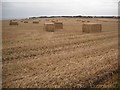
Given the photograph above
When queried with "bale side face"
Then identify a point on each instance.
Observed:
(58, 25)
(49, 27)
(91, 28)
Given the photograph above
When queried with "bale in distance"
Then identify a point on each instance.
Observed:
(88, 21)
(25, 21)
(35, 22)
(83, 21)
(13, 22)
(58, 25)
(53, 21)
(91, 28)
(50, 27)
(78, 20)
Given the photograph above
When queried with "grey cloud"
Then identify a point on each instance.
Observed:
(22, 9)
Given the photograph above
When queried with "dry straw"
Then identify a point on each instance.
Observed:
(50, 27)
(91, 27)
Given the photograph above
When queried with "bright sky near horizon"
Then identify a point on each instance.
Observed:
(12, 9)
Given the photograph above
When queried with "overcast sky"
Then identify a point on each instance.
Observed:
(25, 8)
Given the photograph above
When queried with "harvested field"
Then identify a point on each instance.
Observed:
(34, 58)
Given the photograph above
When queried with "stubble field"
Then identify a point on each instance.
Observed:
(35, 58)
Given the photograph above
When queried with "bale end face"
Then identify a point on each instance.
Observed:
(50, 27)
(91, 28)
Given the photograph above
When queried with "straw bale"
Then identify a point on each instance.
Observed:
(13, 22)
(35, 22)
(50, 27)
(25, 21)
(91, 27)
(58, 25)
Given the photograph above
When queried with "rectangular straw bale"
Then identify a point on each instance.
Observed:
(78, 20)
(53, 21)
(91, 27)
(50, 27)
(58, 25)
(13, 22)
(25, 21)
(88, 21)
(35, 22)
(83, 21)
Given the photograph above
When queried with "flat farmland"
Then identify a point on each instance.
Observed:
(35, 58)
